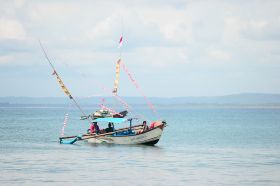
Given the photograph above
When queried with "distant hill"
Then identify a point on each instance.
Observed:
(243, 99)
(234, 99)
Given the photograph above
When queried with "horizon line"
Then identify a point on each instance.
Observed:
(98, 96)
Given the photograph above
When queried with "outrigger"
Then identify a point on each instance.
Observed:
(132, 135)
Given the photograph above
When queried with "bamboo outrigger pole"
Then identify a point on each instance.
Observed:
(65, 90)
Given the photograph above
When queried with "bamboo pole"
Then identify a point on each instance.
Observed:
(52, 66)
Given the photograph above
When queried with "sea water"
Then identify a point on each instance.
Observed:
(200, 146)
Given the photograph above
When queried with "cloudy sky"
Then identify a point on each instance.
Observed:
(172, 48)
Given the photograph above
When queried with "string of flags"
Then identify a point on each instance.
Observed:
(116, 83)
(138, 87)
(63, 87)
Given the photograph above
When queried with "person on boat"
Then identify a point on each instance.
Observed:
(110, 128)
(91, 128)
(145, 126)
(96, 128)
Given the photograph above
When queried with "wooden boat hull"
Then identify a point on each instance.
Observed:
(149, 137)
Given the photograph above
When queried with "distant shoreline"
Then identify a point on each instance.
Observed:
(245, 100)
(158, 106)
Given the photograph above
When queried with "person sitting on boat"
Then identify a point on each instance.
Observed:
(110, 128)
(91, 128)
(145, 126)
(96, 128)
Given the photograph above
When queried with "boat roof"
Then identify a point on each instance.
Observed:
(113, 120)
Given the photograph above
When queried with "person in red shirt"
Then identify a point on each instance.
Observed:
(94, 128)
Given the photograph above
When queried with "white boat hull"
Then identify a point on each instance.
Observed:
(149, 137)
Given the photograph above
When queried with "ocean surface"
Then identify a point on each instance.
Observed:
(200, 146)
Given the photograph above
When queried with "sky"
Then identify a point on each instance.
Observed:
(172, 48)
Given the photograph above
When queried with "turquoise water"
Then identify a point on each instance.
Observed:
(200, 146)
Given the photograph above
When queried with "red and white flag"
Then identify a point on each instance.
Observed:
(120, 42)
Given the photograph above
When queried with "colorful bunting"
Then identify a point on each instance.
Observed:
(116, 83)
(138, 87)
(63, 87)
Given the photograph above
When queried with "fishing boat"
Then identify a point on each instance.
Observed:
(132, 135)
(140, 133)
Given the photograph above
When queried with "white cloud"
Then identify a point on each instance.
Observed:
(104, 29)
(262, 29)
(5, 59)
(11, 29)
(51, 12)
(80, 58)
(217, 54)
(170, 36)
(19, 3)
(158, 57)
(175, 25)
